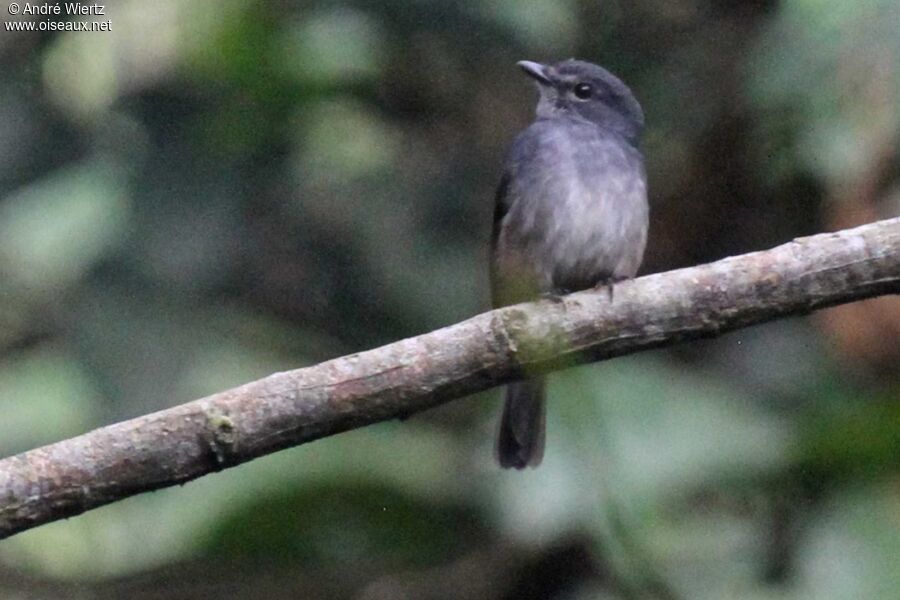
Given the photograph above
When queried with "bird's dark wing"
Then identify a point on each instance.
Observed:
(513, 275)
(502, 202)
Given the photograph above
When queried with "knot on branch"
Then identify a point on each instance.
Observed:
(534, 335)
(221, 436)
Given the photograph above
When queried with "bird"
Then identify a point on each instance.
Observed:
(570, 213)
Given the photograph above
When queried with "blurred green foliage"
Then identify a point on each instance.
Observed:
(216, 190)
(345, 522)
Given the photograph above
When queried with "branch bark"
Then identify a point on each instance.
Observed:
(290, 408)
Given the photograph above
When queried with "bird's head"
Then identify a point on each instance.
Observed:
(584, 90)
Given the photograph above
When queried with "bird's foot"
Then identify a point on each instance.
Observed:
(556, 296)
(608, 284)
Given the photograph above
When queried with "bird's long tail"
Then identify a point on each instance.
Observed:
(520, 442)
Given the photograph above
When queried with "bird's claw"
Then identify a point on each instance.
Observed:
(555, 296)
(607, 284)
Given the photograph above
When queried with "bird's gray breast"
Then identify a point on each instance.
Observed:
(579, 209)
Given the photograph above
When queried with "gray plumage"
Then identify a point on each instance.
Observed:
(571, 213)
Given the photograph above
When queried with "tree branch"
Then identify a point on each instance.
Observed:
(290, 408)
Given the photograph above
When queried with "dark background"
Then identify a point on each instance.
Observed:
(219, 189)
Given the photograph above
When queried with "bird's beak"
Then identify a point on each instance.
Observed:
(537, 71)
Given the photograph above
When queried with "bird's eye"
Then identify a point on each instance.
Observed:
(583, 91)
